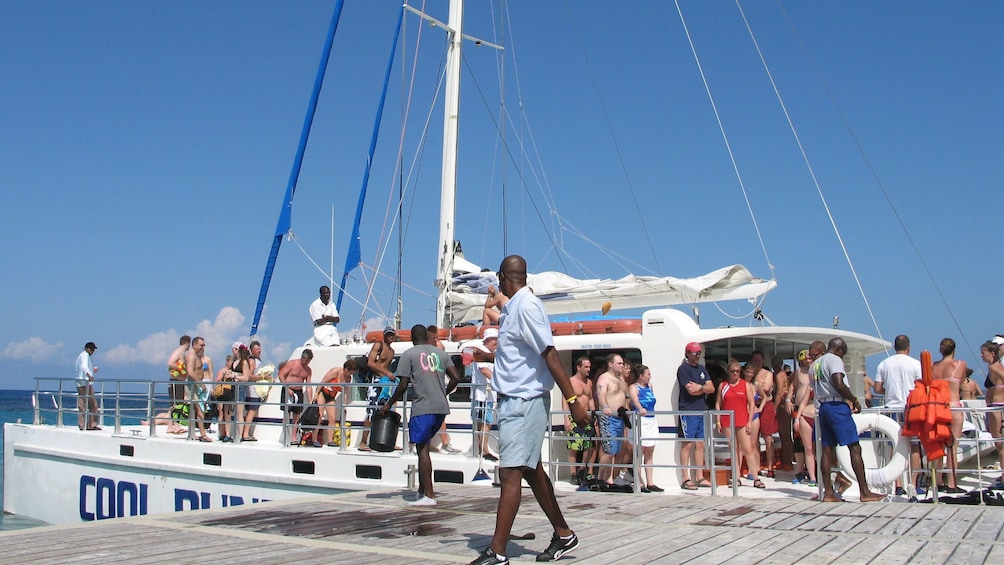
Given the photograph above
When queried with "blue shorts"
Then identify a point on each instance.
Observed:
(483, 412)
(692, 426)
(522, 424)
(611, 432)
(836, 424)
(423, 428)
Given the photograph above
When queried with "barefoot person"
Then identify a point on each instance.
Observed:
(197, 367)
(295, 374)
(952, 370)
(527, 367)
(991, 355)
(326, 398)
(835, 403)
(378, 363)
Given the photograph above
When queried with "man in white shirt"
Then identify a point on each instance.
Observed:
(895, 378)
(324, 315)
(483, 396)
(86, 403)
(897, 374)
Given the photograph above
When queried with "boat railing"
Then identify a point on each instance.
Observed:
(883, 446)
(721, 470)
(136, 403)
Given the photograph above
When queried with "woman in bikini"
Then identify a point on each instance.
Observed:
(991, 355)
(970, 389)
(737, 395)
(952, 370)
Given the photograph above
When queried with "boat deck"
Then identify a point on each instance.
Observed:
(378, 527)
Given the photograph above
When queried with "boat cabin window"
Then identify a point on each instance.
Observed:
(598, 359)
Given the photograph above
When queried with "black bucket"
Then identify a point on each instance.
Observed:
(383, 431)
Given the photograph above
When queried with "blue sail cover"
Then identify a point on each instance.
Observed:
(285, 214)
(354, 256)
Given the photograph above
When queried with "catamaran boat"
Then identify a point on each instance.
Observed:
(129, 469)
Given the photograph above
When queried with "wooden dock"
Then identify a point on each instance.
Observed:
(378, 527)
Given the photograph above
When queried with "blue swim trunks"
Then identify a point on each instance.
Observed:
(692, 426)
(611, 432)
(421, 429)
(836, 424)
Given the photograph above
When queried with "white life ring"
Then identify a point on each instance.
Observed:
(897, 464)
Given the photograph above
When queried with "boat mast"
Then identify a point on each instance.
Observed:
(448, 189)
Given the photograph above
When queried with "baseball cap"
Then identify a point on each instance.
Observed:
(693, 347)
(998, 339)
(238, 344)
(803, 354)
(90, 345)
(389, 330)
(490, 333)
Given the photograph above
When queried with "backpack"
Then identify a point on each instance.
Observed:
(310, 416)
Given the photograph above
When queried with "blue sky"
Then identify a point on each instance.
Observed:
(145, 148)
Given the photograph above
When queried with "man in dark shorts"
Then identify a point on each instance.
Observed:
(424, 366)
(580, 444)
(294, 374)
(378, 364)
(695, 385)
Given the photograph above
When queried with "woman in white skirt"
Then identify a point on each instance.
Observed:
(643, 402)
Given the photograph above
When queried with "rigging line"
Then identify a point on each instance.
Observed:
(616, 257)
(613, 139)
(379, 273)
(383, 242)
(523, 183)
(366, 307)
(725, 138)
(499, 37)
(874, 173)
(523, 125)
(296, 240)
(741, 317)
(812, 173)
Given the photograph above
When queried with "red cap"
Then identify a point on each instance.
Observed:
(693, 347)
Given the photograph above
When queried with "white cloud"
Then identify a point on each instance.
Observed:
(34, 349)
(219, 333)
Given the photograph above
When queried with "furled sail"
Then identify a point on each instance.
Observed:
(562, 294)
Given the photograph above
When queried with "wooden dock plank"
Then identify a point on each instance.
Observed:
(374, 528)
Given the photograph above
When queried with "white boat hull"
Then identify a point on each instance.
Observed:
(96, 475)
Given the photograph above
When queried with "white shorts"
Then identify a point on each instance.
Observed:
(649, 431)
(522, 424)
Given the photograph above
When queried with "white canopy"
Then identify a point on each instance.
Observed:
(563, 294)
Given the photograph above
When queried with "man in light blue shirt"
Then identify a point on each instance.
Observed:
(87, 405)
(527, 367)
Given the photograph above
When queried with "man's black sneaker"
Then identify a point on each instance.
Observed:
(488, 557)
(558, 548)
